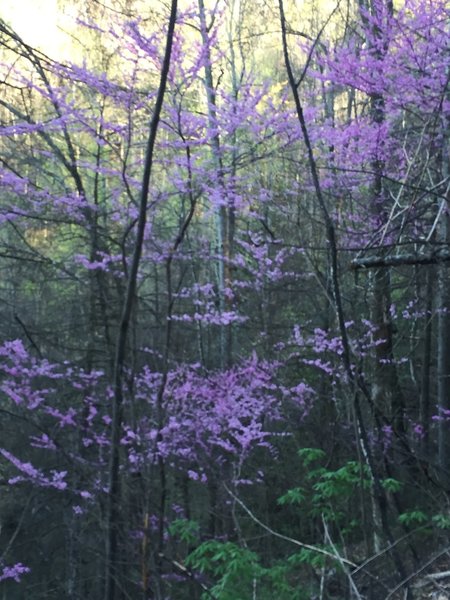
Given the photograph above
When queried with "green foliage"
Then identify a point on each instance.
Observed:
(413, 517)
(294, 496)
(235, 567)
(392, 485)
(441, 521)
(240, 575)
(418, 517)
(341, 482)
(309, 455)
(279, 582)
(185, 529)
(309, 557)
(223, 558)
(330, 489)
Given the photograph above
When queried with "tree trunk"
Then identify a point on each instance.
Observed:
(425, 388)
(112, 533)
(224, 214)
(386, 389)
(443, 348)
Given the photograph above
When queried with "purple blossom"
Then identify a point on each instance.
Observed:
(14, 572)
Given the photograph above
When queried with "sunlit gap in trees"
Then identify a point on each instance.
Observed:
(41, 23)
(50, 24)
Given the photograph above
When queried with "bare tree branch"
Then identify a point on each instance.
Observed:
(414, 258)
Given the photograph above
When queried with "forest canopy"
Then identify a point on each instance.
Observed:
(225, 301)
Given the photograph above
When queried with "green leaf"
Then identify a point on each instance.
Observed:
(306, 556)
(294, 496)
(309, 455)
(392, 485)
(185, 530)
(441, 521)
(414, 517)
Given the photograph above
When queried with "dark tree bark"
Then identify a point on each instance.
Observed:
(112, 571)
(354, 380)
(387, 393)
(443, 325)
(425, 388)
(431, 257)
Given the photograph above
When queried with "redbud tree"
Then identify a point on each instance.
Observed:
(221, 246)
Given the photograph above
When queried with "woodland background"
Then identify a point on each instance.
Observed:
(224, 302)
